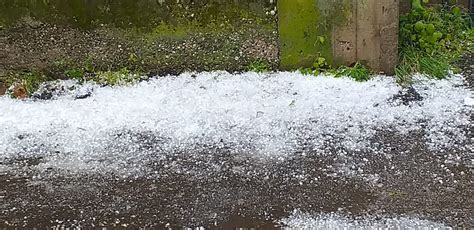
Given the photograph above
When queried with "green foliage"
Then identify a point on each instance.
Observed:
(431, 39)
(319, 66)
(87, 72)
(435, 29)
(358, 72)
(74, 73)
(414, 61)
(258, 66)
(32, 80)
(29, 80)
(122, 77)
(321, 39)
(86, 68)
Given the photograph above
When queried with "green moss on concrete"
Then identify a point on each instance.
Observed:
(305, 28)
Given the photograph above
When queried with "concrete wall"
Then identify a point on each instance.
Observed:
(170, 36)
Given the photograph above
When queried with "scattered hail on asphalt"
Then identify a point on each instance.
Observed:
(299, 220)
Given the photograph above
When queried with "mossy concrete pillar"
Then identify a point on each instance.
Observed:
(341, 31)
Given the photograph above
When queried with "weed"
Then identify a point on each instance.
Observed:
(87, 72)
(258, 66)
(358, 72)
(88, 65)
(28, 81)
(435, 67)
(319, 66)
(122, 77)
(76, 73)
(32, 81)
(413, 61)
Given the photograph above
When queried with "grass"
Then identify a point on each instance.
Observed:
(32, 81)
(413, 61)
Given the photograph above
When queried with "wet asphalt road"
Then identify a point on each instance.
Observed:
(188, 189)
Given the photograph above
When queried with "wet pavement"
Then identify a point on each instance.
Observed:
(242, 192)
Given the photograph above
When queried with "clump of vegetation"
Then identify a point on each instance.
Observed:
(25, 83)
(432, 39)
(358, 71)
(88, 72)
(122, 77)
(32, 81)
(79, 72)
(319, 66)
(259, 66)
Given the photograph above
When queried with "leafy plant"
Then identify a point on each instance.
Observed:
(358, 72)
(258, 66)
(86, 73)
(432, 39)
(122, 77)
(28, 81)
(319, 66)
(76, 73)
(80, 72)
(32, 80)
